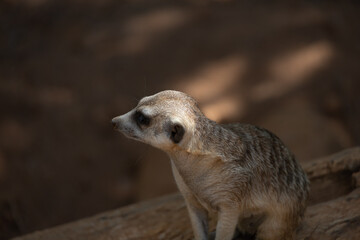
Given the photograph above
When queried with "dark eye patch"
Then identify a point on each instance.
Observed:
(141, 119)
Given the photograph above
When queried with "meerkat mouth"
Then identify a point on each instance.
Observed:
(132, 137)
(129, 133)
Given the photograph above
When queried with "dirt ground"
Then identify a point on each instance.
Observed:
(68, 67)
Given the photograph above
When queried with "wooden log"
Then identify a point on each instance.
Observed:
(333, 212)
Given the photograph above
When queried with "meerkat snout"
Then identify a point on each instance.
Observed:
(114, 123)
(117, 123)
(242, 173)
(123, 124)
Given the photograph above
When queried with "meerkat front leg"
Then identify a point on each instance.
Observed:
(198, 215)
(226, 225)
(199, 221)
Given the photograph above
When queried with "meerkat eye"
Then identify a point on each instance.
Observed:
(141, 119)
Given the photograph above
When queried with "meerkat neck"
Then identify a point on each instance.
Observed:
(212, 139)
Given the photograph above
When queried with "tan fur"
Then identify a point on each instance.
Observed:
(242, 173)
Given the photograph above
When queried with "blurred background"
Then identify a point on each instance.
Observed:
(67, 67)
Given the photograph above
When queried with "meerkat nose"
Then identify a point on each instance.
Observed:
(114, 123)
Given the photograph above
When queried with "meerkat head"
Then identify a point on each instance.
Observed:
(165, 120)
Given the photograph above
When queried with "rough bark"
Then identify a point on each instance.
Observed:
(333, 212)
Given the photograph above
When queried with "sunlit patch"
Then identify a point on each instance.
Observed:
(293, 69)
(214, 79)
(141, 30)
(212, 86)
(224, 108)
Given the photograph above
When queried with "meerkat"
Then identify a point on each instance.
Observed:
(242, 173)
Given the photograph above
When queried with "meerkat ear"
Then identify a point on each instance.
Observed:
(176, 132)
